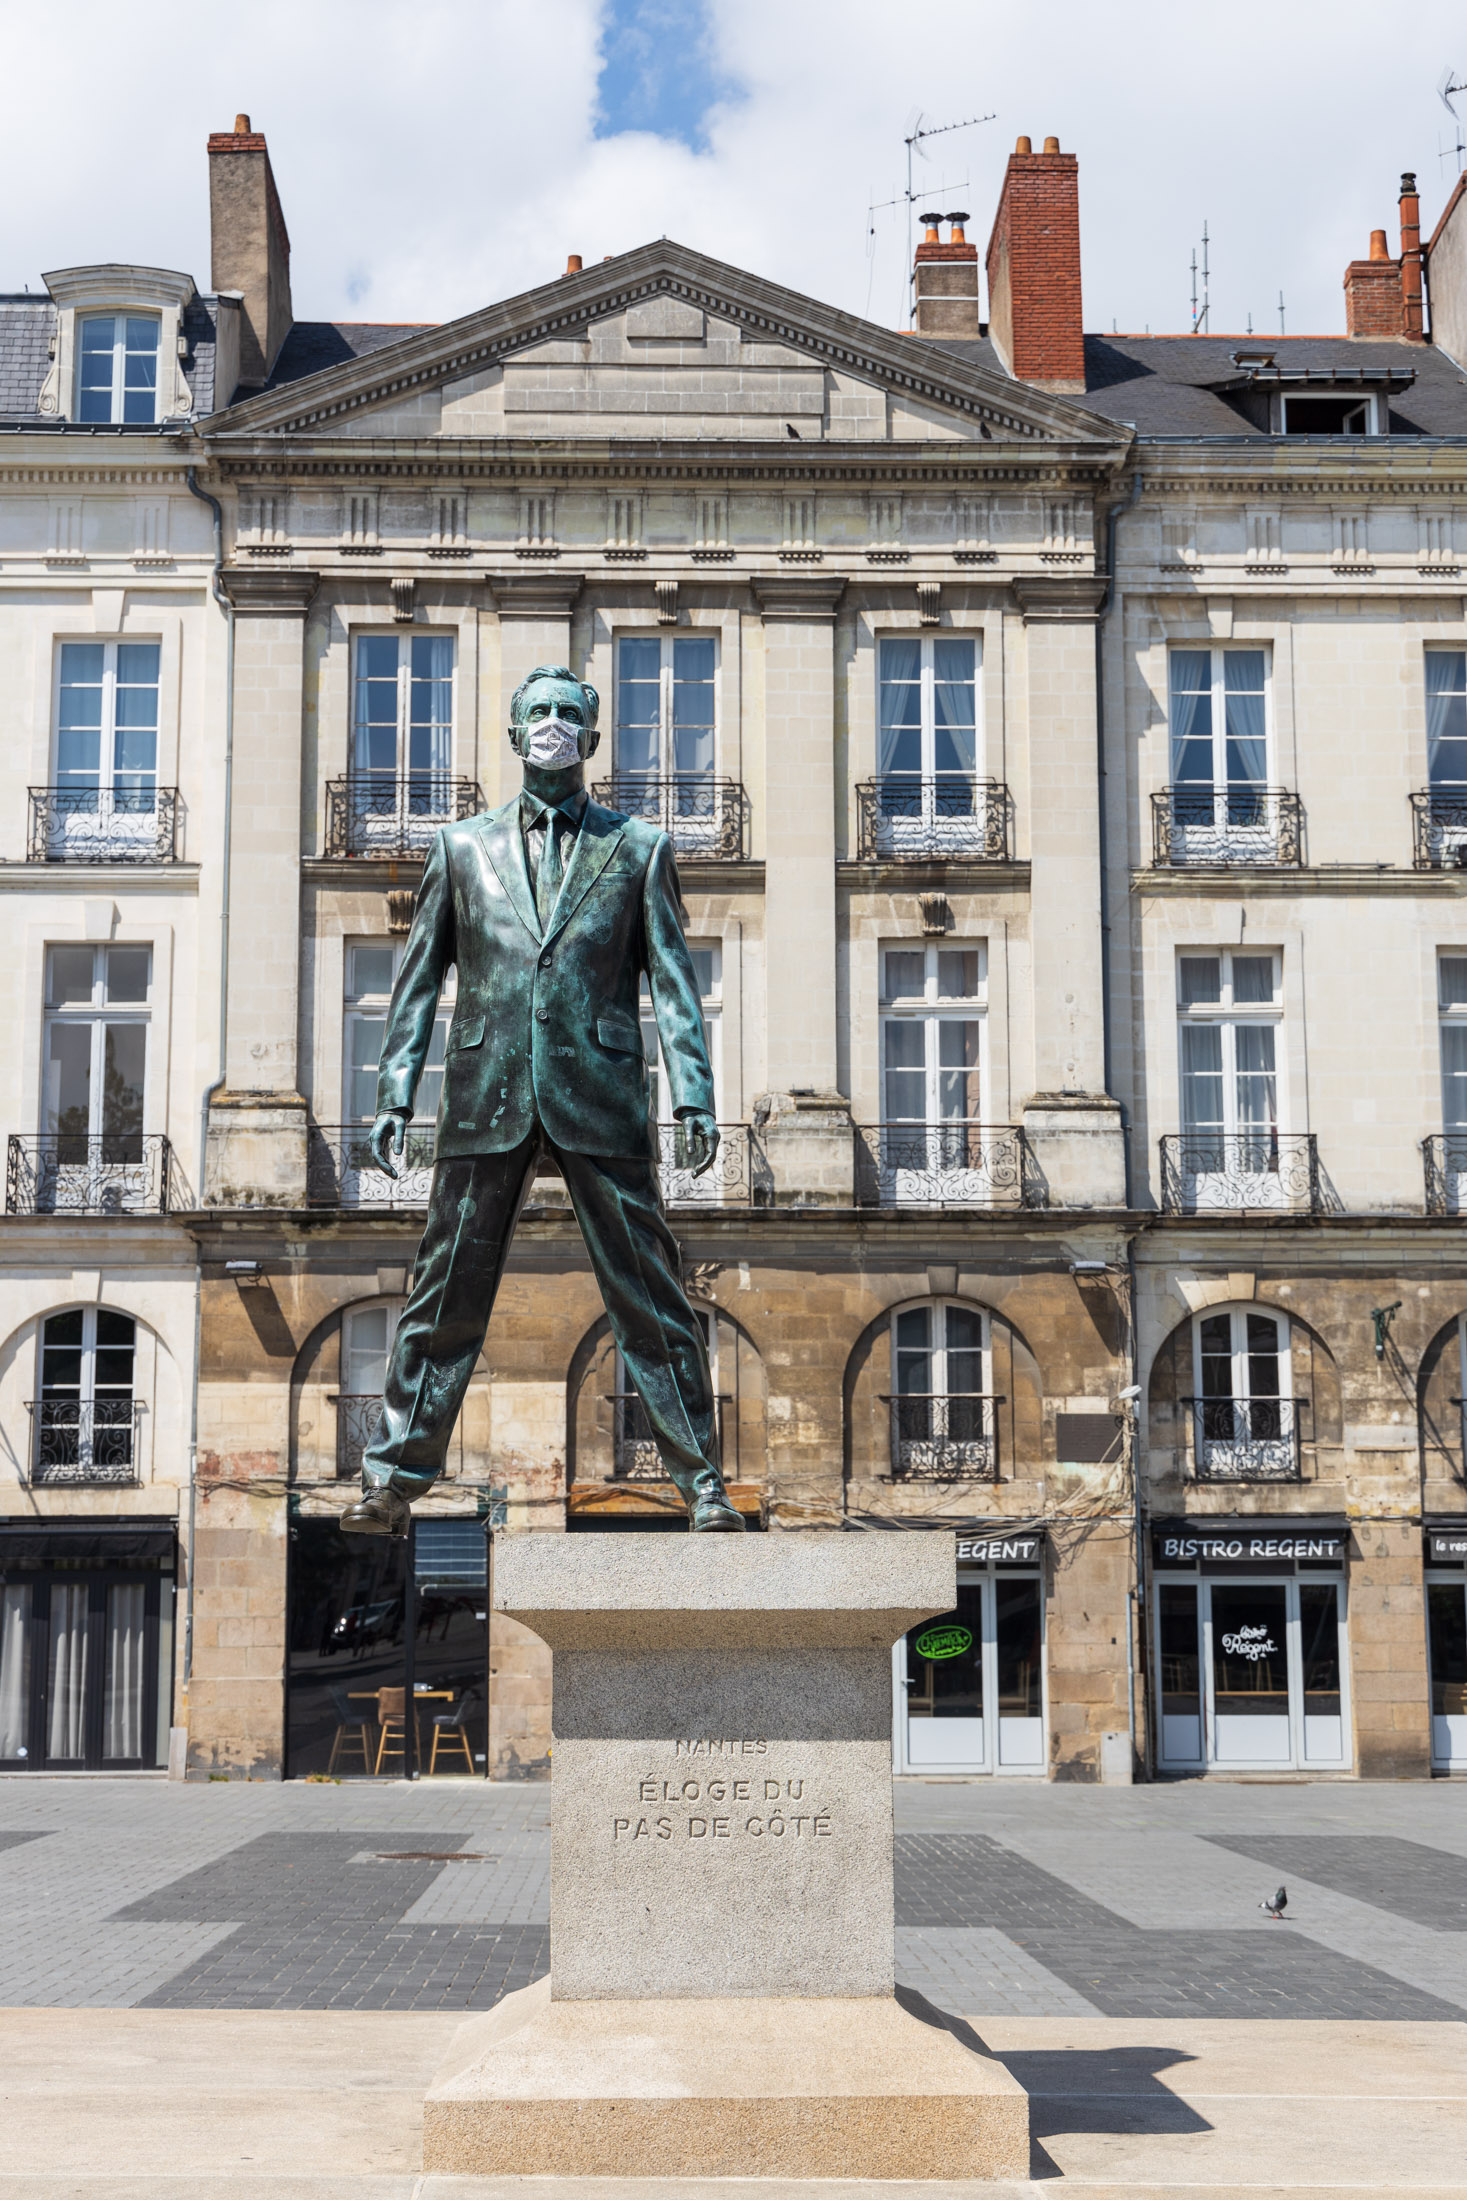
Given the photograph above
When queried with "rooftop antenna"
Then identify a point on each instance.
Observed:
(945, 190)
(1200, 313)
(913, 141)
(1281, 313)
(1447, 89)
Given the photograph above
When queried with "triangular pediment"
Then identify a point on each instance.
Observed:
(664, 343)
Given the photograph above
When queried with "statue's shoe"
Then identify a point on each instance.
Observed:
(383, 1513)
(714, 1516)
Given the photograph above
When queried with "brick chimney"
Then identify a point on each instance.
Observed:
(249, 246)
(1411, 324)
(1373, 305)
(1034, 269)
(947, 280)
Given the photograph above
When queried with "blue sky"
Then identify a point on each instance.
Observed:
(660, 70)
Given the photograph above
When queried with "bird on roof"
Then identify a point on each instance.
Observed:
(791, 429)
(1276, 1904)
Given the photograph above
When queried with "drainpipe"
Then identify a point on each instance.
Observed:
(1105, 1006)
(221, 596)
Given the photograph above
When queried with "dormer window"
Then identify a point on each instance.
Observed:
(1329, 415)
(117, 368)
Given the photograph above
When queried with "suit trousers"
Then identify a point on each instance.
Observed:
(472, 1210)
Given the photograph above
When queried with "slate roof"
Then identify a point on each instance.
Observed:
(26, 328)
(1166, 385)
(314, 345)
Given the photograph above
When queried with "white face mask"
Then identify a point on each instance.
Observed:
(552, 743)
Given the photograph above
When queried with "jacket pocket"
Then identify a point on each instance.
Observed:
(468, 1034)
(620, 1032)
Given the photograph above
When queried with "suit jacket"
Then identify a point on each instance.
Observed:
(547, 1027)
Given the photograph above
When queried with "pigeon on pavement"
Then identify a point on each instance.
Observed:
(1279, 1903)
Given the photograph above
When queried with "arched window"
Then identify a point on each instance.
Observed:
(942, 1420)
(635, 1452)
(367, 1333)
(1244, 1419)
(86, 1415)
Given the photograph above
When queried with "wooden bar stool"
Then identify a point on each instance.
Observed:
(351, 1730)
(449, 1735)
(392, 1719)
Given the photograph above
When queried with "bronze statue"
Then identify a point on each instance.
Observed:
(551, 908)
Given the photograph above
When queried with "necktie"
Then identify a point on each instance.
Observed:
(547, 882)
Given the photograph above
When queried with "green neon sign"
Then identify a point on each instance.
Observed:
(943, 1642)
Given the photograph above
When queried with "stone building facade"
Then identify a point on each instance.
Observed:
(1057, 737)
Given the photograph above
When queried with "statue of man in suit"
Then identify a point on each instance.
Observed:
(552, 909)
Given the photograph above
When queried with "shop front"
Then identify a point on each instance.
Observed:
(1249, 1646)
(378, 1626)
(1446, 1628)
(969, 1685)
(86, 1645)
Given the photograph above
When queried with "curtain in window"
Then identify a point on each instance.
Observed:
(1454, 1076)
(374, 718)
(14, 1670)
(1446, 717)
(639, 707)
(958, 1055)
(122, 1696)
(899, 745)
(135, 727)
(79, 719)
(906, 1070)
(955, 721)
(1243, 705)
(692, 707)
(430, 705)
(1191, 680)
(66, 1727)
(1202, 1078)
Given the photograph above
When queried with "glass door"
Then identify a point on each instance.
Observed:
(970, 1683)
(81, 1688)
(1446, 1613)
(1251, 1675)
(1249, 1671)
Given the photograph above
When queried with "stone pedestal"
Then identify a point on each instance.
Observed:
(808, 1144)
(722, 1999)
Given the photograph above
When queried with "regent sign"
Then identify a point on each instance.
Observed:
(943, 1642)
(1174, 1547)
(1005, 1550)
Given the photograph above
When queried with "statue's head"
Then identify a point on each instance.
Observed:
(552, 719)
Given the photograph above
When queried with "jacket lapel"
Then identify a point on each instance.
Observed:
(505, 845)
(596, 844)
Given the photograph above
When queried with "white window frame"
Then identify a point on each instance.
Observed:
(97, 1014)
(360, 1183)
(87, 1391)
(937, 1157)
(1246, 1449)
(939, 1429)
(692, 807)
(403, 803)
(119, 316)
(1367, 398)
(1223, 819)
(1235, 1148)
(73, 824)
(947, 815)
(1451, 1018)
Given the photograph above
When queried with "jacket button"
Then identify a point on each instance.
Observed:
(545, 960)
(542, 1015)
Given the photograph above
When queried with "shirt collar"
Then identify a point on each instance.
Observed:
(573, 809)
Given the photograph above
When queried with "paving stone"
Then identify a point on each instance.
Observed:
(1408, 1878)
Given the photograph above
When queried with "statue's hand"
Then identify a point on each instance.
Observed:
(386, 1140)
(701, 1133)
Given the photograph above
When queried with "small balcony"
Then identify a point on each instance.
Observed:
(1240, 1171)
(68, 1173)
(82, 1442)
(635, 1457)
(1228, 827)
(740, 1175)
(357, 1415)
(704, 818)
(1444, 1156)
(341, 1170)
(103, 825)
(1439, 829)
(954, 1164)
(943, 1437)
(382, 814)
(1245, 1439)
(905, 818)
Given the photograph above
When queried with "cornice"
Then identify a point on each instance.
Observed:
(535, 595)
(260, 592)
(797, 595)
(1045, 598)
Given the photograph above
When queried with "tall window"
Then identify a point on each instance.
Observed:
(366, 1340)
(1229, 1010)
(1451, 973)
(1446, 719)
(942, 1422)
(117, 368)
(371, 971)
(96, 1051)
(106, 792)
(1243, 1414)
(84, 1416)
(666, 729)
(400, 788)
(708, 970)
(1219, 752)
(927, 742)
(932, 1012)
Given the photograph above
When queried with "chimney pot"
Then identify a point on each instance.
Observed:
(1379, 250)
(1051, 145)
(1023, 145)
(1411, 314)
(930, 222)
(573, 264)
(242, 126)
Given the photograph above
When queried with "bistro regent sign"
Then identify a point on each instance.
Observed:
(1005, 1550)
(1246, 1546)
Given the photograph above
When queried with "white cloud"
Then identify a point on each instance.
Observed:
(433, 159)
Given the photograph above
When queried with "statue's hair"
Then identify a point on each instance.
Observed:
(554, 672)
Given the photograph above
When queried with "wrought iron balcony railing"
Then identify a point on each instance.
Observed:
(103, 825)
(1231, 825)
(1444, 1156)
(943, 1437)
(904, 818)
(703, 817)
(1232, 1170)
(945, 1165)
(341, 1172)
(634, 1453)
(68, 1173)
(1439, 829)
(357, 1415)
(740, 1175)
(382, 814)
(84, 1440)
(1245, 1439)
